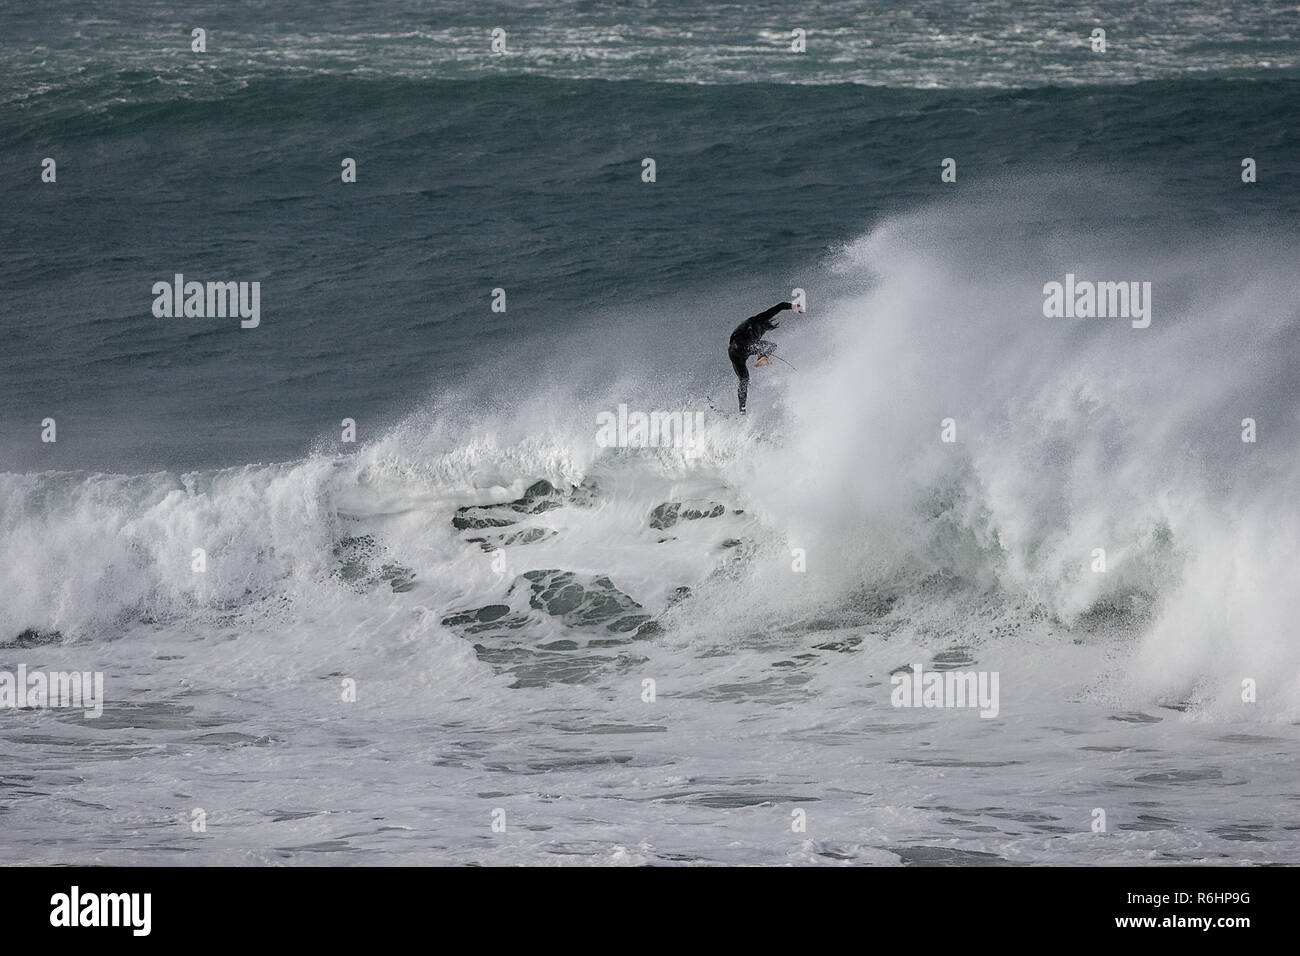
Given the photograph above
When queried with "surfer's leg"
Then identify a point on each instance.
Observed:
(738, 364)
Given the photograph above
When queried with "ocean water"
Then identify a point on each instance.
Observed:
(496, 588)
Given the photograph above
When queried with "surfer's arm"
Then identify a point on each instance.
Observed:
(752, 329)
(766, 315)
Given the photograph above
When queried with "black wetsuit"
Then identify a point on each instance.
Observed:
(746, 341)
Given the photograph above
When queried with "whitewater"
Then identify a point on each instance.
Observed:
(674, 656)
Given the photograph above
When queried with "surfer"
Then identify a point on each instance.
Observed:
(747, 341)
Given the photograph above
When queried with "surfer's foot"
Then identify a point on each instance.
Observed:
(764, 360)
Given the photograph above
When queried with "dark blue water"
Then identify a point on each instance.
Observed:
(375, 293)
(522, 171)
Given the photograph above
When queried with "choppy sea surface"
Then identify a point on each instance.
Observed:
(475, 635)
